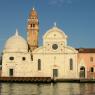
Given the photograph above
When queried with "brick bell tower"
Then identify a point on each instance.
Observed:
(33, 30)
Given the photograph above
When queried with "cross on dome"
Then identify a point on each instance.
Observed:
(33, 8)
(16, 32)
(55, 24)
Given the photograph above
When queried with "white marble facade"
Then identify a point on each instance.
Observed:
(53, 59)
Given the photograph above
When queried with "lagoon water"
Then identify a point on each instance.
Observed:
(47, 89)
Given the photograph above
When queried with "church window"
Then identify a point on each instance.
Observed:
(71, 64)
(54, 34)
(92, 69)
(39, 64)
(91, 59)
(32, 25)
(23, 58)
(11, 58)
(31, 57)
(54, 46)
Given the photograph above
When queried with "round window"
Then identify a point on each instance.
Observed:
(54, 46)
(23, 58)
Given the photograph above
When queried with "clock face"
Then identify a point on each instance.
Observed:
(54, 46)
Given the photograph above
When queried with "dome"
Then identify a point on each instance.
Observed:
(16, 43)
(55, 33)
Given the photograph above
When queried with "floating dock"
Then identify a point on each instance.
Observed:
(43, 80)
(26, 79)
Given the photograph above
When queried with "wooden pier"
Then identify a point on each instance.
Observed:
(26, 79)
(43, 80)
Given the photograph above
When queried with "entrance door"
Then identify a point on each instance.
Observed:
(10, 72)
(82, 72)
(55, 72)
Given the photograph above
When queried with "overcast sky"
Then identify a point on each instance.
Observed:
(75, 17)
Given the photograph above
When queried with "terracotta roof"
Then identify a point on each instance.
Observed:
(86, 50)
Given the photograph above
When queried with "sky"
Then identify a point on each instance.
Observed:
(75, 17)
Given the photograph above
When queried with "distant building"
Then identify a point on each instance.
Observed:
(86, 63)
(55, 58)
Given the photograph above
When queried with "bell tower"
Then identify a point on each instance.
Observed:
(33, 30)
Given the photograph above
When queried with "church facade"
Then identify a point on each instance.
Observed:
(55, 58)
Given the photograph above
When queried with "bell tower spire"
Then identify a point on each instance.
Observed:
(33, 30)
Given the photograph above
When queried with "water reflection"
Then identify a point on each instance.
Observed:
(47, 89)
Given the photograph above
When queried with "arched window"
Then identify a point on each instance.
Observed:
(71, 64)
(32, 25)
(23, 58)
(39, 64)
(92, 69)
(91, 59)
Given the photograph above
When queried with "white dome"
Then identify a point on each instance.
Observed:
(55, 33)
(16, 43)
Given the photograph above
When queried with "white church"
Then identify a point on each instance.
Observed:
(53, 59)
